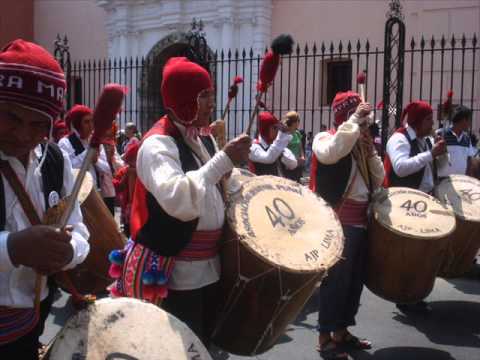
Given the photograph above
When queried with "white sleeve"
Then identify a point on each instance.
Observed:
(257, 154)
(102, 163)
(288, 159)
(117, 161)
(5, 261)
(75, 160)
(329, 149)
(398, 149)
(80, 234)
(180, 194)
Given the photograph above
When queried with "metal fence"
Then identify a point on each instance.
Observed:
(306, 81)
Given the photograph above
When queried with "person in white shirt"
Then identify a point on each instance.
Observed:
(28, 108)
(270, 150)
(337, 178)
(79, 120)
(178, 212)
(114, 163)
(412, 161)
(411, 151)
(459, 144)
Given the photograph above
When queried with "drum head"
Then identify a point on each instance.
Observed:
(126, 328)
(412, 213)
(463, 194)
(237, 178)
(286, 224)
(87, 186)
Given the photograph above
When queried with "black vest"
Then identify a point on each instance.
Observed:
(267, 169)
(413, 180)
(332, 180)
(176, 234)
(52, 178)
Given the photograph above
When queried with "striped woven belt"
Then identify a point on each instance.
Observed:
(15, 323)
(204, 245)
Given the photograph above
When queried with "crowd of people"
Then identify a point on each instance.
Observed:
(170, 183)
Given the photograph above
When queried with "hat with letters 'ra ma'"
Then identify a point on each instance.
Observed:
(32, 78)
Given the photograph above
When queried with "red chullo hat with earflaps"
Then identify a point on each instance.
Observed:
(31, 78)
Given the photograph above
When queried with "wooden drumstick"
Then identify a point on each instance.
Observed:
(106, 110)
(361, 78)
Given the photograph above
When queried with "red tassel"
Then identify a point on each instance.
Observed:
(238, 80)
(149, 292)
(114, 291)
(115, 271)
(106, 110)
(268, 70)
(361, 77)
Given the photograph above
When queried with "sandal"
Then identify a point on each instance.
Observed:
(330, 350)
(352, 342)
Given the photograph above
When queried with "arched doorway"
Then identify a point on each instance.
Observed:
(192, 45)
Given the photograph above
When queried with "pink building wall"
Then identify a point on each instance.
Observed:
(16, 21)
(81, 20)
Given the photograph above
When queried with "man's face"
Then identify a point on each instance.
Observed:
(86, 126)
(21, 130)
(464, 124)
(425, 127)
(206, 104)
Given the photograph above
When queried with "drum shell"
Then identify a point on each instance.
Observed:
(463, 246)
(242, 330)
(402, 269)
(91, 276)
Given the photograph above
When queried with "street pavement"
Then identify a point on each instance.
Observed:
(450, 332)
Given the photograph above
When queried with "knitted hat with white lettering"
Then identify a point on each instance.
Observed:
(32, 78)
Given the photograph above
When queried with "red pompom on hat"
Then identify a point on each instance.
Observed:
(265, 121)
(182, 82)
(75, 115)
(416, 112)
(344, 104)
(32, 78)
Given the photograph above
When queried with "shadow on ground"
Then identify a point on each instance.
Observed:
(403, 353)
(462, 317)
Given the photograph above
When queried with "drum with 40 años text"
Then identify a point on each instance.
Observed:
(282, 239)
(408, 237)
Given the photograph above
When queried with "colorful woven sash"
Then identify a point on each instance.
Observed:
(15, 323)
(204, 245)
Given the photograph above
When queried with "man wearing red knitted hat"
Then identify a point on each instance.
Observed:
(269, 152)
(178, 211)
(338, 177)
(411, 160)
(33, 177)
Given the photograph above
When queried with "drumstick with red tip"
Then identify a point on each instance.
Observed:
(220, 134)
(106, 110)
(281, 45)
(232, 94)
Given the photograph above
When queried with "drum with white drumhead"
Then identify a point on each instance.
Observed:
(126, 329)
(463, 194)
(408, 237)
(282, 239)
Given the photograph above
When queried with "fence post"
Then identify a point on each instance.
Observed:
(62, 55)
(393, 67)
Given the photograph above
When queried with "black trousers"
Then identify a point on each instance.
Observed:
(339, 294)
(26, 347)
(197, 308)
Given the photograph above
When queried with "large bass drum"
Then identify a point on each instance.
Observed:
(463, 194)
(282, 240)
(408, 237)
(125, 328)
